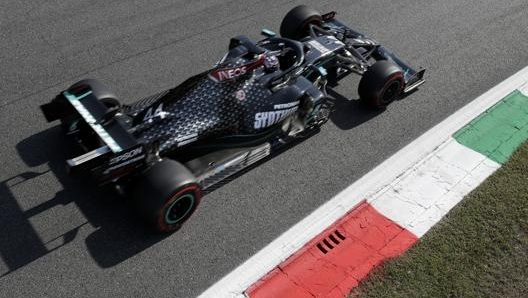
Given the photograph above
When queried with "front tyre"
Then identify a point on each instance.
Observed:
(166, 195)
(381, 84)
(295, 24)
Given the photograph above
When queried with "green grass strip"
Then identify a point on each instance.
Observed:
(480, 249)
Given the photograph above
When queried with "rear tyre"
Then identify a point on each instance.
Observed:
(110, 102)
(99, 90)
(381, 84)
(295, 24)
(166, 195)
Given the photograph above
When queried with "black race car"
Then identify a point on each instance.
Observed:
(165, 150)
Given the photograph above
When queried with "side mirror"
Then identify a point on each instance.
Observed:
(268, 33)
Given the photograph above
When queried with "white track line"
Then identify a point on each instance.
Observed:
(235, 283)
(524, 89)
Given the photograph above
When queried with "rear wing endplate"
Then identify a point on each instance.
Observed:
(95, 114)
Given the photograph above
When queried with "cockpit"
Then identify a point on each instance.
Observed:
(277, 56)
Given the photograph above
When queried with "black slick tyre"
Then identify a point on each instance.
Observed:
(111, 102)
(166, 195)
(99, 90)
(381, 84)
(295, 23)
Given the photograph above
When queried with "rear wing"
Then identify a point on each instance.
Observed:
(121, 152)
(94, 113)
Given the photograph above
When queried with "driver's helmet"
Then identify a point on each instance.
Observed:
(271, 63)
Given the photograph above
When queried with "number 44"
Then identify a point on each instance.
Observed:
(158, 112)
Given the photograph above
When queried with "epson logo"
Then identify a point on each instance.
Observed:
(126, 156)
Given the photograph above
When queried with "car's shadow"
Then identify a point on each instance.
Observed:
(350, 112)
(118, 235)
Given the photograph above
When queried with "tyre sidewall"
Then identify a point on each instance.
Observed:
(158, 188)
(99, 90)
(160, 221)
(377, 80)
(397, 77)
(295, 24)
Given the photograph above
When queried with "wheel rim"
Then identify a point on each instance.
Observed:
(179, 209)
(391, 92)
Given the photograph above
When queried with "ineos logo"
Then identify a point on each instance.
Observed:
(226, 74)
(229, 74)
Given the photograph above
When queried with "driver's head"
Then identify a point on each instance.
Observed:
(271, 63)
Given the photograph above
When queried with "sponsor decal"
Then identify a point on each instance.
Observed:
(153, 113)
(322, 48)
(319, 47)
(231, 73)
(126, 156)
(125, 159)
(286, 105)
(126, 163)
(265, 119)
(240, 95)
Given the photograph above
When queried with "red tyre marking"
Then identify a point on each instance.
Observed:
(389, 80)
(161, 215)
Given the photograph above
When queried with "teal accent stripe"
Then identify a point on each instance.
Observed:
(87, 116)
(167, 213)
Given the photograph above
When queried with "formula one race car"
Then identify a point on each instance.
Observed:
(164, 150)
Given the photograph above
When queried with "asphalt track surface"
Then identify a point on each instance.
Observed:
(61, 238)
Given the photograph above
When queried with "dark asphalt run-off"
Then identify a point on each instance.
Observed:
(62, 238)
